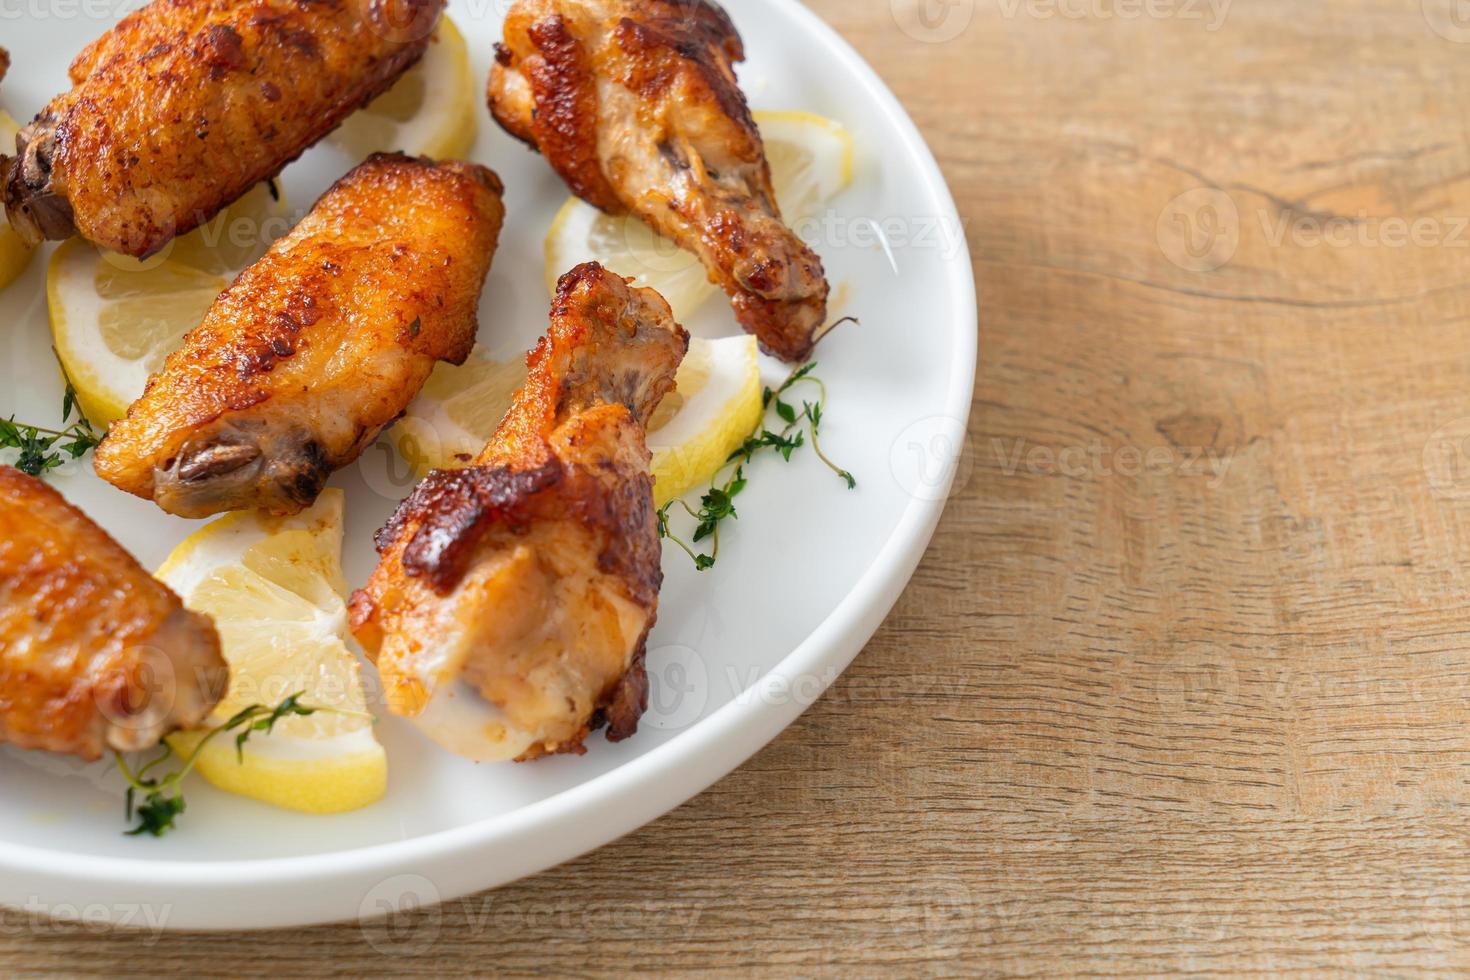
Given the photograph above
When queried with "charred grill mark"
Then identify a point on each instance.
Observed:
(280, 339)
(630, 699)
(626, 515)
(285, 34)
(452, 510)
(222, 49)
(565, 120)
(763, 276)
(255, 361)
(302, 309)
(667, 46)
(307, 474)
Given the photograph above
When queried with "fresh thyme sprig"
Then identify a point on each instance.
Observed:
(42, 449)
(163, 801)
(718, 503)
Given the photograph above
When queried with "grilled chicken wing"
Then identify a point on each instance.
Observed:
(635, 104)
(317, 347)
(187, 104)
(94, 652)
(511, 605)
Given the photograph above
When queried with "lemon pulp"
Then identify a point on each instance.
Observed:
(275, 591)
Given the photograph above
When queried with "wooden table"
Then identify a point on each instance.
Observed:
(1184, 682)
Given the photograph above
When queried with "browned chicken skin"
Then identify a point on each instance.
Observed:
(317, 347)
(187, 104)
(511, 606)
(635, 104)
(95, 653)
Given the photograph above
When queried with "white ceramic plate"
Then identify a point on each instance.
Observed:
(804, 578)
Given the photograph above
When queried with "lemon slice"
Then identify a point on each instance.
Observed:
(15, 254)
(715, 405)
(114, 319)
(275, 591)
(811, 161)
(430, 111)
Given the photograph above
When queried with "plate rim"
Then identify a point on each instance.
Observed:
(627, 797)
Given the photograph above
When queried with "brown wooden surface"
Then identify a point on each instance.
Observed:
(1182, 684)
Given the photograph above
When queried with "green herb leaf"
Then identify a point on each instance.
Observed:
(286, 708)
(717, 503)
(157, 815)
(38, 446)
(164, 801)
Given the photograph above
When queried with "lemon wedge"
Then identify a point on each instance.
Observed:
(114, 319)
(15, 254)
(811, 160)
(275, 591)
(716, 403)
(430, 111)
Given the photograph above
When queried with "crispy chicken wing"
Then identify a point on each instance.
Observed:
(635, 104)
(94, 652)
(511, 605)
(317, 347)
(187, 104)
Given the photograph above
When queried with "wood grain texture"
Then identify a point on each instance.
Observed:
(1184, 681)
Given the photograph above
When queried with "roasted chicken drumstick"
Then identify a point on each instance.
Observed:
(635, 104)
(317, 347)
(187, 104)
(509, 611)
(95, 653)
